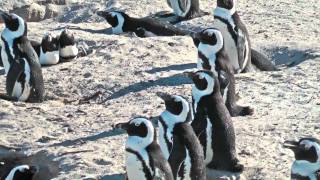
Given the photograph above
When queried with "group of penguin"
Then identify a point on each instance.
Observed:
(192, 137)
(22, 58)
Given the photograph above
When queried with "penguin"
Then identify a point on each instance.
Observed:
(48, 50)
(24, 81)
(143, 27)
(21, 172)
(1, 64)
(307, 158)
(183, 10)
(178, 141)
(67, 45)
(212, 123)
(16, 165)
(144, 158)
(212, 56)
(236, 39)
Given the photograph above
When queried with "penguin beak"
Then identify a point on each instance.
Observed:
(123, 126)
(5, 16)
(190, 75)
(103, 14)
(291, 145)
(164, 96)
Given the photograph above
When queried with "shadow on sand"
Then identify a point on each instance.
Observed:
(113, 177)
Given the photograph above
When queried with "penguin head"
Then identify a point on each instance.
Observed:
(141, 133)
(177, 108)
(24, 172)
(307, 149)
(66, 38)
(205, 83)
(208, 41)
(226, 4)
(49, 43)
(116, 19)
(15, 26)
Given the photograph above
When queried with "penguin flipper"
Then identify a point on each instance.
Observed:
(261, 61)
(13, 75)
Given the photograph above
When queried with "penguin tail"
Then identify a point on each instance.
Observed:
(237, 168)
(261, 61)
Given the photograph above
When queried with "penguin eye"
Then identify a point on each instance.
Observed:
(201, 76)
(137, 124)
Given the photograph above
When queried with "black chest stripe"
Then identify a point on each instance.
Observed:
(7, 50)
(232, 31)
(146, 171)
(165, 128)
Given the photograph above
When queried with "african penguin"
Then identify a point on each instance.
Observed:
(143, 27)
(24, 80)
(236, 38)
(21, 172)
(144, 158)
(183, 10)
(48, 51)
(212, 122)
(307, 155)
(178, 140)
(212, 56)
(67, 45)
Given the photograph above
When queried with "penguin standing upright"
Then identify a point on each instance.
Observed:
(183, 10)
(307, 155)
(144, 158)
(143, 27)
(24, 172)
(212, 123)
(67, 45)
(178, 140)
(236, 39)
(24, 76)
(212, 56)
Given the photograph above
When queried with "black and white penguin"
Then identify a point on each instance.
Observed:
(67, 45)
(21, 172)
(144, 158)
(183, 10)
(212, 123)
(236, 39)
(178, 140)
(19, 166)
(307, 155)
(143, 27)
(212, 56)
(24, 76)
(47, 50)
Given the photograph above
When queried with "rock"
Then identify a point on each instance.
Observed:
(51, 11)
(31, 13)
(57, 2)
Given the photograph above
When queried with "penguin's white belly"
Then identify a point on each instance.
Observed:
(4, 58)
(162, 142)
(209, 150)
(225, 94)
(134, 167)
(22, 91)
(229, 44)
(49, 58)
(69, 51)
(305, 168)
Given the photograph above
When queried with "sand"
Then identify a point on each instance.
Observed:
(127, 72)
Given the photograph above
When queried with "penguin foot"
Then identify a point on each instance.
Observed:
(237, 168)
(242, 111)
(164, 14)
(7, 98)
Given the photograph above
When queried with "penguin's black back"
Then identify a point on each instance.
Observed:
(24, 49)
(158, 161)
(36, 46)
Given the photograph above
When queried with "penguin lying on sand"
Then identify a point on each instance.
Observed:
(144, 158)
(307, 155)
(178, 140)
(236, 38)
(19, 166)
(212, 123)
(24, 81)
(212, 56)
(183, 10)
(142, 27)
(47, 50)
